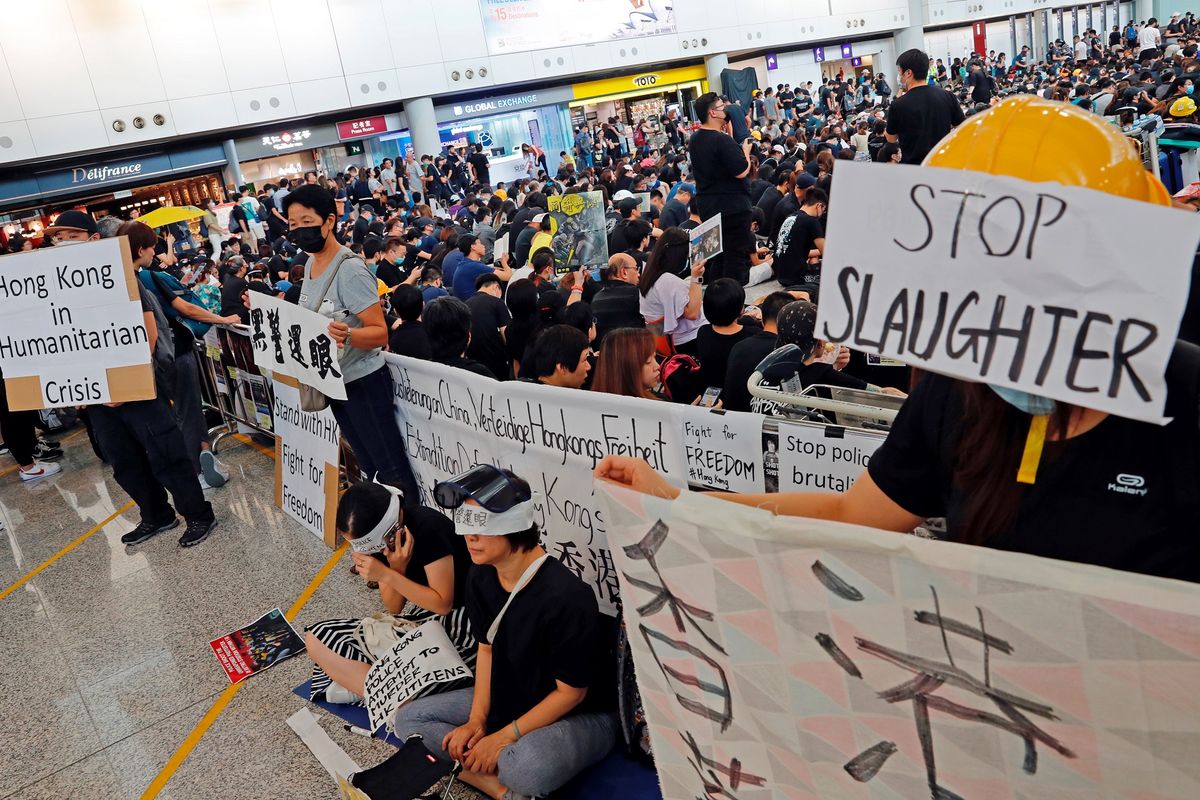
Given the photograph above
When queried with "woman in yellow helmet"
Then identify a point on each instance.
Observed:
(1109, 491)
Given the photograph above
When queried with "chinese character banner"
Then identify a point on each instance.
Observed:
(294, 341)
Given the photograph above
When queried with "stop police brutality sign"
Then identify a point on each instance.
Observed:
(1034, 286)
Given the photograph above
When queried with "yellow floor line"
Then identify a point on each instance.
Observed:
(266, 451)
(193, 738)
(29, 575)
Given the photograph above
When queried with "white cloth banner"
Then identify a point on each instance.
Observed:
(307, 465)
(787, 657)
(1033, 286)
(294, 341)
(421, 658)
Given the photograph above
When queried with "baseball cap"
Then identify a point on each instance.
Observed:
(686, 187)
(623, 194)
(629, 168)
(539, 218)
(778, 149)
(73, 220)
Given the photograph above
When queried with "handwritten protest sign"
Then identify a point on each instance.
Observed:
(420, 659)
(723, 450)
(306, 462)
(72, 331)
(790, 657)
(705, 239)
(822, 458)
(1037, 287)
(290, 340)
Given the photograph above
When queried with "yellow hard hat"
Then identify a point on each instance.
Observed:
(1043, 140)
(757, 135)
(1183, 107)
(381, 288)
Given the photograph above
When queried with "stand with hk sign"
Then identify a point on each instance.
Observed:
(72, 331)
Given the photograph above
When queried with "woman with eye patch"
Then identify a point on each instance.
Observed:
(420, 565)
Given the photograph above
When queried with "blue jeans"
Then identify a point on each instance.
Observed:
(542, 761)
(368, 421)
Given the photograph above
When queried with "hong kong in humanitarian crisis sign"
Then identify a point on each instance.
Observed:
(1034, 286)
(71, 331)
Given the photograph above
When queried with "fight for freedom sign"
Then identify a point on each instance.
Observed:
(306, 461)
(1034, 286)
(787, 657)
(293, 341)
(72, 331)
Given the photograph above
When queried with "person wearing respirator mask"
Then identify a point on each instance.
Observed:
(421, 568)
(539, 712)
(339, 285)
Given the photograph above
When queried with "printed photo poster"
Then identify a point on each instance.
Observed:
(705, 240)
(306, 462)
(513, 26)
(580, 232)
(423, 657)
(1032, 286)
(789, 657)
(260, 645)
(72, 331)
(293, 341)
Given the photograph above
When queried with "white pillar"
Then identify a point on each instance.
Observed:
(912, 36)
(422, 125)
(713, 65)
(1144, 10)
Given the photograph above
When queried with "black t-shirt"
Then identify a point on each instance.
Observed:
(767, 202)
(410, 339)
(981, 86)
(803, 102)
(468, 364)
(797, 237)
(480, 162)
(551, 632)
(434, 538)
(743, 359)
(921, 117)
(713, 349)
(616, 305)
(716, 161)
(788, 205)
(232, 289)
(488, 315)
(1108, 497)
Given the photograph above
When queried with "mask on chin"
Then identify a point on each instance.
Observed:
(1032, 404)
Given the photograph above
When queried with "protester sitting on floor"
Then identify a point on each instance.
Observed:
(542, 706)
(628, 365)
(723, 302)
(671, 304)
(409, 337)
(421, 568)
(616, 304)
(559, 356)
(448, 325)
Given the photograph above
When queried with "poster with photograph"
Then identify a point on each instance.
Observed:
(513, 26)
(580, 233)
(260, 645)
(256, 398)
(643, 201)
(706, 240)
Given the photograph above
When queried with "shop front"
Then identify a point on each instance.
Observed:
(646, 96)
(285, 153)
(127, 186)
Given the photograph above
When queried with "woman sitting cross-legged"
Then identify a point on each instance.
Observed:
(543, 704)
(420, 566)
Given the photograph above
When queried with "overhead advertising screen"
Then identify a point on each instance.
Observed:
(513, 26)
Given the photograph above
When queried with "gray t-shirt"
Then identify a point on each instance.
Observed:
(354, 290)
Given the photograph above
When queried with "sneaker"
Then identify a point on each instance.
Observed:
(210, 470)
(197, 531)
(48, 442)
(4, 449)
(204, 487)
(145, 530)
(336, 693)
(41, 452)
(39, 470)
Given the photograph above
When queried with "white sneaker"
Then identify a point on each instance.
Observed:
(337, 693)
(39, 470)
(211, 472)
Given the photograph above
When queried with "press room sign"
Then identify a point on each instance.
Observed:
(358, 128)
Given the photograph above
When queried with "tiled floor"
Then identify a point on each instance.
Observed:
(105, 660)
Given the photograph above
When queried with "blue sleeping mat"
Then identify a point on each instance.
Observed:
(617, 776)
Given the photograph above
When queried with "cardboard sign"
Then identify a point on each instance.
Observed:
(260, 645)
(290, 340)
(422, 658)
(1037, 287)
(72, 332)
(306, 462)
(812, 460)
(789, 657)
(706, 240)
(723, 450)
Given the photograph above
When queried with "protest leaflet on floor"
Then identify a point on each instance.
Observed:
(72, 331)
(260, 645)
(293, 341)
(791, 657)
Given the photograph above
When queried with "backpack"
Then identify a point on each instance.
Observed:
(682, 381)
(185, 331)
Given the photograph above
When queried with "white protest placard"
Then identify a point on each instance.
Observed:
(1034, 286)
(705, 240)
(290, 340)
(421, 658)
(71, 331)
(643, 201)
(499, 249)
(723, 449)
(822, 458)
(306, 462)
(785, 657)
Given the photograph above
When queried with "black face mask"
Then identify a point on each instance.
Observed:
(309, 238)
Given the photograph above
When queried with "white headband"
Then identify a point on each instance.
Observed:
(478, 521)
(373, 541)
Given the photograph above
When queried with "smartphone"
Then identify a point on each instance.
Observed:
(709, 399)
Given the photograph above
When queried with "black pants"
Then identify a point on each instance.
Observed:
(737, 241)
(367, 418)
(17, 430)
(143, 443)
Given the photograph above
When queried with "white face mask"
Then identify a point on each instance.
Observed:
(64, 242)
